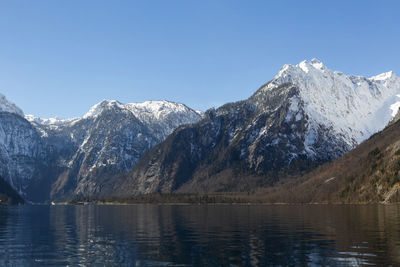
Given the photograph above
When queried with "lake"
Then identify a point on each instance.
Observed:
(200, 235)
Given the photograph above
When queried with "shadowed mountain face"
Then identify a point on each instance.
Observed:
(305, 116)
(8, 196)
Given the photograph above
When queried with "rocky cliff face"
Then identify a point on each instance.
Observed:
(56, 159)
(306, 115)
(8, 195)
(22, 153)
(20, 146)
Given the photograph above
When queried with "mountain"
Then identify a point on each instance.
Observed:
(305, 116)
(20, 146)
(7, 106)
(23, 156)
(8, 196)
(59, 158)
(113, 136)
(368, 174)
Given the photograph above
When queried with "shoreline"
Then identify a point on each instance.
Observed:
(216, 204)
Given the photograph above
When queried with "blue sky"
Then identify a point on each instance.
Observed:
(58, 58)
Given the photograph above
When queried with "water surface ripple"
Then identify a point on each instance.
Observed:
(200, 235)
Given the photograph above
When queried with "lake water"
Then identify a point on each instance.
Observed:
(225, 235)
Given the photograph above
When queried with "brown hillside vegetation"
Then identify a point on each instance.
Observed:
(370, 173)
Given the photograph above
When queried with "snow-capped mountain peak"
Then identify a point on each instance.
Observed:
(158, 109)
(313, 64)
(99, 107)
(316, 63)
(48, 121)
(353, 106)
(388, 79)
(8, 106)
(146, 111)
(384, 76)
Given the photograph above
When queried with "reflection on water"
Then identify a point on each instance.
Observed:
(226, 235)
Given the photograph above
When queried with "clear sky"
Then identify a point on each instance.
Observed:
(58, 58)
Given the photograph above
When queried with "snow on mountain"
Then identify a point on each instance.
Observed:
(353, 106)
(146, 111)
(8, 106)
(306, 115)
(108, 140)
(162, 117)
(156, 109)
(98, 108)
(20, 151)
(48, 121)
(71, 154)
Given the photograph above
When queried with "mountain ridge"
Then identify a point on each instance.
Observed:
(110, 138)
(8, 106)
(287, 127)
(305, 116)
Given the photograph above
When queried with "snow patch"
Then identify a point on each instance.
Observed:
(382, 76)
(317, 64)
(303, 66)
(395, 107)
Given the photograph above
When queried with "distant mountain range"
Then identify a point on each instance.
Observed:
(305, 116)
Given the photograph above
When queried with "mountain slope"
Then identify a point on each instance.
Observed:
(305, 116)
(369, 173)
(7, 106)
(8, 196)
(107, 141)
(54, 158)
(22, 152)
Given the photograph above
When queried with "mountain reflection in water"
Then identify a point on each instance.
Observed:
(200, 235)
